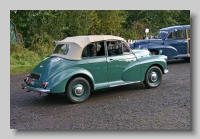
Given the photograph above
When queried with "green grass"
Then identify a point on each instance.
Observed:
(24, 60)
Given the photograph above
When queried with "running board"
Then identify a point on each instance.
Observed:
(124, 84)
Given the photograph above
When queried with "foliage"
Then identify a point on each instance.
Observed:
(16, 47)
(58, 24)
(155, 19)
(40, 28)
(24, 60)
(42, 43)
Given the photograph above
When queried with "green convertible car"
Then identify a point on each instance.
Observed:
(81, 64)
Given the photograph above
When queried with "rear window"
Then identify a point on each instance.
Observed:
(62, 49)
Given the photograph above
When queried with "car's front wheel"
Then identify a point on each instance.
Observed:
(78, 90)
(153, 77)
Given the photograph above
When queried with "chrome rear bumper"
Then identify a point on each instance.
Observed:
(29, 88)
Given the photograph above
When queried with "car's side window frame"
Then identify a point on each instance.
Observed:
(126, 50)
(181, 34)
(175, 33)
(116, 48)
(99, 46)
(169, 37)
(113, 48)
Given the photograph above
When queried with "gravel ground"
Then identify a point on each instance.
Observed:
(129, 107)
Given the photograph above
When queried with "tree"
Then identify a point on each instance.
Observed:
(44, 26)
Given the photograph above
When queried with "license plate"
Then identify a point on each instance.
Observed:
(30, 81)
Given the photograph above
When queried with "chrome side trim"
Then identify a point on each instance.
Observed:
(124, 83)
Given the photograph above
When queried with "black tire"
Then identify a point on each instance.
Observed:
(187, 59)
(51, 94)
(153, 77)
(78, 90)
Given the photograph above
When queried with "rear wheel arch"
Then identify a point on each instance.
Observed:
(78, 90)
(83, 76)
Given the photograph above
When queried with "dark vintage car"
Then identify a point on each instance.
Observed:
(174, 42)
(81, 64)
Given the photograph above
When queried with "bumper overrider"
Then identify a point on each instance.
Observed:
(29, 88)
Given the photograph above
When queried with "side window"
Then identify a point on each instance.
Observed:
(114, 48)
(125, 49)
(100, 48)
(174, 34)
(117, 48)
(94, 49)
(85, 52)
(177, 34)
(180, 34)
(170, 35)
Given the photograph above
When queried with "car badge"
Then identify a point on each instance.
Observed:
(41, 66)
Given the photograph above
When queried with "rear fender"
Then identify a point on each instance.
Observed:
(58, 82)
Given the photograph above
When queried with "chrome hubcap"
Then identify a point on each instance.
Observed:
(154, 76)
(78, 90)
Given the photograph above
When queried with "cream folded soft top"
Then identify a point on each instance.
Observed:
(77, 44)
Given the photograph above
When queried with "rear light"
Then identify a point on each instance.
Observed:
(44, 84)
(25, 80)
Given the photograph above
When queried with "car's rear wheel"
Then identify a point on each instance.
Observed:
(153, 77)
(78, 90)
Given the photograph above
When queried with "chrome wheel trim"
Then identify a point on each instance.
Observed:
(153, 76)
(78, 90)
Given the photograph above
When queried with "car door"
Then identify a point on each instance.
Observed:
(96, 64)
(177, 39)
(118, 61)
